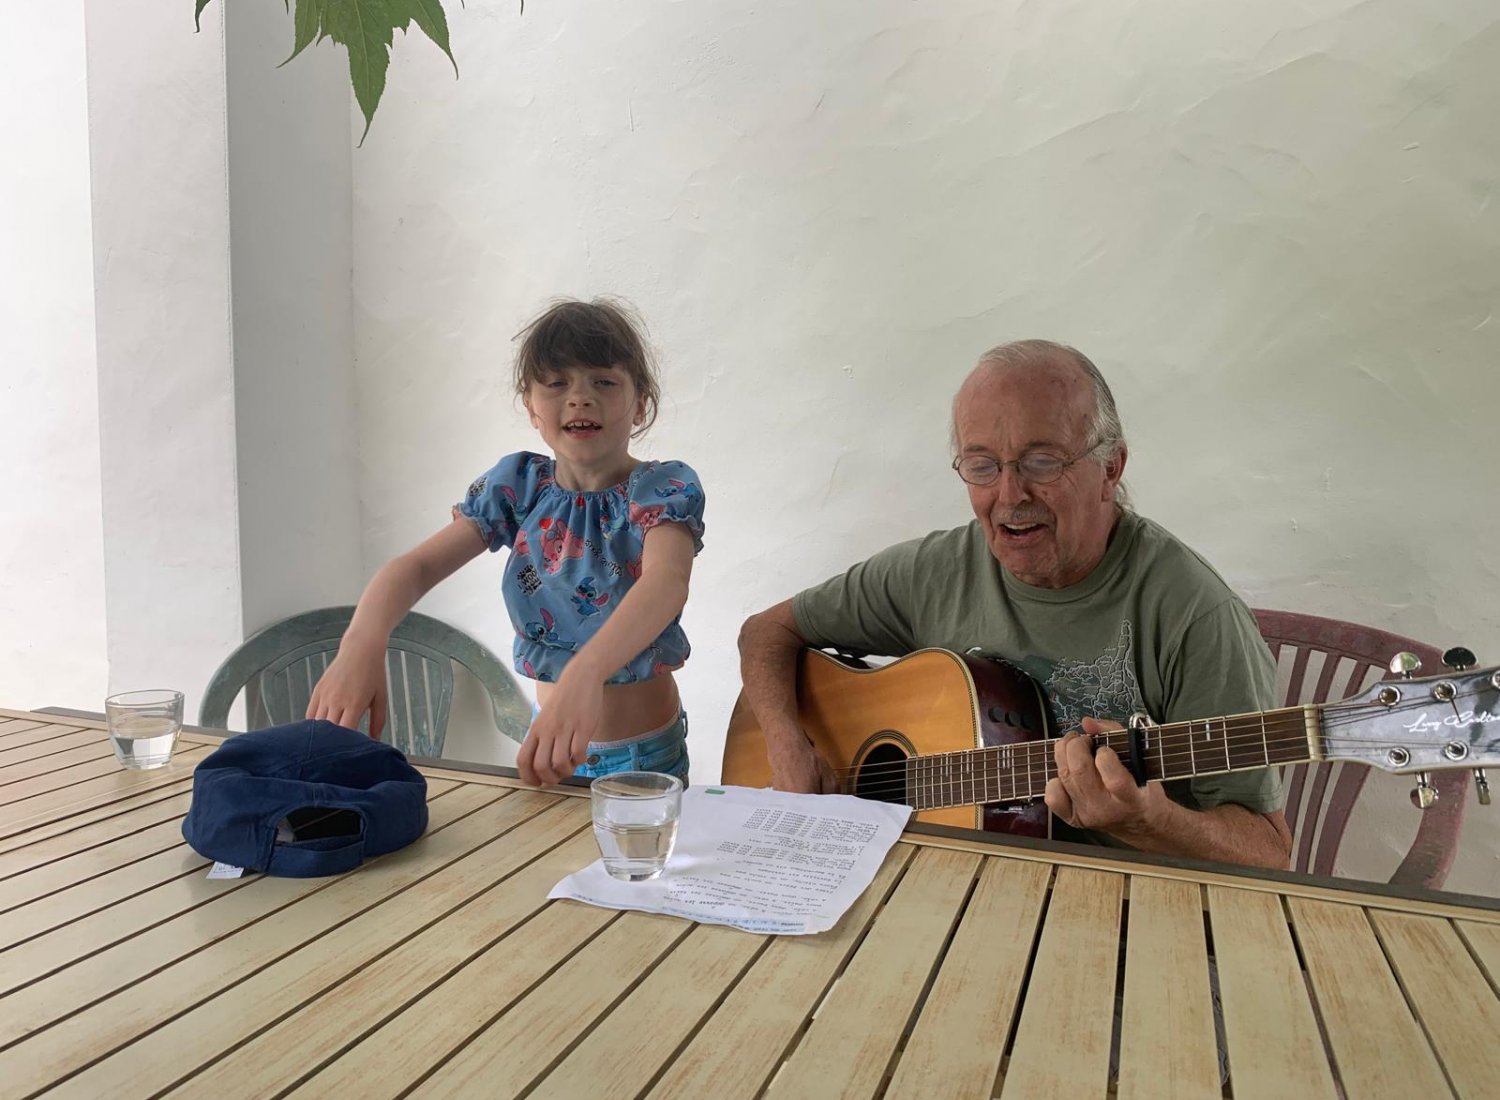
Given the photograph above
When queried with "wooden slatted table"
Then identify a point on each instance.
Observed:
(971, 968)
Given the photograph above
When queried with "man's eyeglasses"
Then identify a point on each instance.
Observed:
(1035, 467)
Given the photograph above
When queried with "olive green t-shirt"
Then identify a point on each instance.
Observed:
(1153, 628)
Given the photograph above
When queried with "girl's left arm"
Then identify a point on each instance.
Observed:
(559, 738)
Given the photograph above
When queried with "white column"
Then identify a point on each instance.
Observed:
(164, 342)
(290, 182)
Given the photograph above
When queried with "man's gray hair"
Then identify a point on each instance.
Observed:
(1104, 423)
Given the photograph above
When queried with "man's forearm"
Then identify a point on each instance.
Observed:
(1230, 833)
(770, 644)
(768, 669)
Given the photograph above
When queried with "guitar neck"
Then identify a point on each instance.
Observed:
(1178, 750)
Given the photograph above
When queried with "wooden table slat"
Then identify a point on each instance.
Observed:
(1275, 1046)
(1062, 1042)
(6, 714)
(73, 845)
(72, 822)
(1484, 942)
(387, 1060)
(102, 953)
(46, 913)
(517, 1048)
(1167, 1045)
(740, 1045)
(79, 869)
(855, 1031)
(56, 746)
(1425, 902)
(28, 734)
(55, 765)
(505, 920)
(100, 766)
(122, 1018)
(956, 1048)
(620, 1057)
(9, 726)
(25, 814)
(1451, 995)
(1378, 1046)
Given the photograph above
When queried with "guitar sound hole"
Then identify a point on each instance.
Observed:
(882, 774)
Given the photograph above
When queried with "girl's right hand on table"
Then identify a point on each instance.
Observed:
(353, 684)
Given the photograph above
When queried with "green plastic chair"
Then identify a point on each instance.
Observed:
(277, 668)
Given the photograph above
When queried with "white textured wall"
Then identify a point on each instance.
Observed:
(1272, 225)
(51, 549)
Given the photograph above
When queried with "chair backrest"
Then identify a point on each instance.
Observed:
(1326, 659)
(278, 667)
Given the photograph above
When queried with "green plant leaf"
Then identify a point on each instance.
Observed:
(366, 29)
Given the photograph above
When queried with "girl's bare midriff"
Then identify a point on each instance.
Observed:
(631, 709)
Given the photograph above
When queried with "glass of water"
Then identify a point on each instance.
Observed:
(635, 822)
(143, 726)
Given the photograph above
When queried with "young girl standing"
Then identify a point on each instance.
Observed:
(602, 547)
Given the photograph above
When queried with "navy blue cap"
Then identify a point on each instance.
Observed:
(303, 800)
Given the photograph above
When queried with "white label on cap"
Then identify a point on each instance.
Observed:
(224, 870)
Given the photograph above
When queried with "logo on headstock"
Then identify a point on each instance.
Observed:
(1424, 724)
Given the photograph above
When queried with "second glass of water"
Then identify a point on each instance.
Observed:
(635, 822)
(143, 726)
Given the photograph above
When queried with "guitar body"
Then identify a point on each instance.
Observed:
(867, 721)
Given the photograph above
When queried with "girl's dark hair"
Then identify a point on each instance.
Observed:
(601, 333)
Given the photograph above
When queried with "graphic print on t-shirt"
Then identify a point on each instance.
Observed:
(1105, 687)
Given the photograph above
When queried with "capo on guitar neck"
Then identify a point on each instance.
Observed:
(1135, 746)
(1135, 739)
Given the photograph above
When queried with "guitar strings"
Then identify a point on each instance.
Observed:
(1033, 754)
(1289, 725)
(1209, 751)
(948, 790)
(1277, 737)
(936, 778)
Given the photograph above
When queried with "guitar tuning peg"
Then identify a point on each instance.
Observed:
(1482, 786)
(1405, 664)
(1459, 658)
(1424, 794)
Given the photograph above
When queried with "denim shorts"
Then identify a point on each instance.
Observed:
(661, 750)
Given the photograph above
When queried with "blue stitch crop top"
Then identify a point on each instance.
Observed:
(575, 554)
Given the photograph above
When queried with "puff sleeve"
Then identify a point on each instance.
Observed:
(668, 492)
(498, 500)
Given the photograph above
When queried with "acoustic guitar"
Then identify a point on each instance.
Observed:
(967, 741)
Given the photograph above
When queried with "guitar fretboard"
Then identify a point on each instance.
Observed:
(1179, 750)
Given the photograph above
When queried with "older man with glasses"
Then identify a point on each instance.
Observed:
(1106, 609)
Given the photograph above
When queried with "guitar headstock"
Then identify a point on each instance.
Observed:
(1418, 725)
